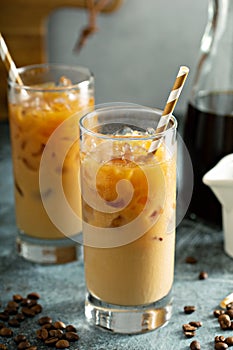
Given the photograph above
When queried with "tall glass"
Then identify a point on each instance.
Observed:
(128, 204)
(49, 96)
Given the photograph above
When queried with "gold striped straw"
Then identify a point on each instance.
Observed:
(170, 106)
(8, 62)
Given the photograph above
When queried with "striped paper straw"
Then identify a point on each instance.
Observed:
(8, 62)
(170, 105)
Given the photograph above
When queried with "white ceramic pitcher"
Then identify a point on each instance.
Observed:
(220, 180)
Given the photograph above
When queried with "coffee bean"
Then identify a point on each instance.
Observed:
(58, 333)
(51, 341)
(189, 334)
(44, 334)
(217, 313)
(71, 336)
(11, 310)
(23, 345)
(47, 326)
(13, 322)
(71, 328)
(28, 312)
(195, 345)
(18, 298)
(6, 332)
(19, 338)
(188, 328)
(196, 324)
(224, 321)
(229, 313)
(4, 316)
(32, 348)
(59, 325)
(219, 338)
(2, 325)
(38, 333)
(203, 275)
(3, 347)
(229, 306)
(20, 317)
(25, 302)
(189, 309)
(220, 346)
(62, 344)
(34, 296)
(37, 308)
(190, 260)
(12, 305)
(229, 341)
(44, 320)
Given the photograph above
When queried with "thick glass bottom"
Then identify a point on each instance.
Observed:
(48, 251)
(128, 320)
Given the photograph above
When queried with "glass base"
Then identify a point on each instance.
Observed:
(48, 251)
(128, 320)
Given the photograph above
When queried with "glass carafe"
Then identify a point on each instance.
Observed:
(208, 130)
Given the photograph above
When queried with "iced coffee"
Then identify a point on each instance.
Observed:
(51, 95)
(128, 201)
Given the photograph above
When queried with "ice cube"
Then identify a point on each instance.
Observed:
(124, 130)
(127, 152)
(64, 81)
(150, 131)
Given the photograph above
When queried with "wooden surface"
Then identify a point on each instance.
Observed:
(23, 26)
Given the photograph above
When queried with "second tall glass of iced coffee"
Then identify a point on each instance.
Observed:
(128, 205)
(50, 95)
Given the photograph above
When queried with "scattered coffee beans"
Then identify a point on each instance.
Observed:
(219, 338)
(229, 341)
(224, 321)
(229, 312)
(196, 324)
(59, 325)
(56, 334)
(18, 298)
(188, 328)
(20, 338)
(44, 320)
(23, 345)
(62, 344)
(6, 332)
(190, 260)
(195, 345)
(189, 334)
(189, 309)
(203, 275)
(220, 346)
(71, 336)
(34, 296)
(217, 313)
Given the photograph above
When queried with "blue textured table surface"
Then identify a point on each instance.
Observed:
(62, 287)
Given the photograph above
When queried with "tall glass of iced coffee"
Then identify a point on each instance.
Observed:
(128, 206)
(50, 94)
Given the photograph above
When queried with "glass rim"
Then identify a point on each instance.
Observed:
(111, 106)
(82, 69)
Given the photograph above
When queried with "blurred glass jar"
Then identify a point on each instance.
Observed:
(208, 130)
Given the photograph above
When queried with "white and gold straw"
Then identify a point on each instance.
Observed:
(227, 300)
(170, 105)
(8, 62)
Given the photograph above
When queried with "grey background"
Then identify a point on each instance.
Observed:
(138, 49)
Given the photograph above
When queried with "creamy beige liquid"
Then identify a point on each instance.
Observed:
(31, 126)
(142, 271)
